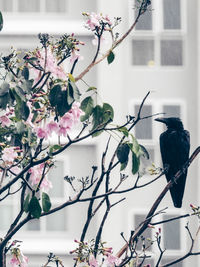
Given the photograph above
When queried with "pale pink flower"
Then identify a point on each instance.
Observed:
(112, 260)
(66, 121)
(14, 261)
(62, 131)
(93, 21)
(15, 170)
(20, 260)
(9, 154)
(92, 261)
(5, 121)
(75, 55)
(49, 64)
(36, 175)
(107, 19)
(41, 133)
(76, 111)
(52, 126)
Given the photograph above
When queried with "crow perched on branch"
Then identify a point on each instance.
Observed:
(174, 147)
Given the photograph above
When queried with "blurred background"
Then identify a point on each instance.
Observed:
(162, 56)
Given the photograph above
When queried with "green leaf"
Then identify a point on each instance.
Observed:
(108, 112)
(135, 146)
(97, 119)
(46, 202)
(101, 116)
(58, 99)
(73, 92)
(1, 21)
(71, 77)
(124, 130)
(22, 111)
(70, 94)
(20, 127)
(144, 152)
(4, 100)
(27, 86)
(53, 148)
(55, 94)
(123, 165)
(110, 57)
(35, 208)
(123, 153)
(92, 88)
(25, 73)
(87, 106)
(135, 163)
(20, 93)
(4, 89)
(26, 203)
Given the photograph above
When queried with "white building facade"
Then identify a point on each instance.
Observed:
(162, 56)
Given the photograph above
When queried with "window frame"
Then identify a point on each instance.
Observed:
(158, 33)
(154, 252)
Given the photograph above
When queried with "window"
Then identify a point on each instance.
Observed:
(33, 6)
(147, 131)
(65, 8)
(172, 236)
(159, 36)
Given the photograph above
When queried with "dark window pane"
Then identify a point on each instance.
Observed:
(145, 21)
(171, 14)
(143, 129)
(56, 5)
(143, 52)
(172, 110)
(171, 52)
(171, 234)
(6, 5)
(146, 236)
(28, 5)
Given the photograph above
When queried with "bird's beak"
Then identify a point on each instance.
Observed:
(163, 120)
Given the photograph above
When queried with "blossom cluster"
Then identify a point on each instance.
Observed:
(63, 126)
(18, 258)
(95, 20)
(37, 175)
(85, 255)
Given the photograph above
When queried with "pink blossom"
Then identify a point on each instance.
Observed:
(111, 260)
(41, 133)
(92, 261)
(14, 261)
(74, 56)
(52, 126)
(15, 170)
(93, 21)
(36, 175)
(107, 19)
(20, 260)
(67, 120)
(76, 111)
(62, 131)
(9, 154)
(5, 121)
(49, 64)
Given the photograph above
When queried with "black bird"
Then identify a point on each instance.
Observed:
(174, 147)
